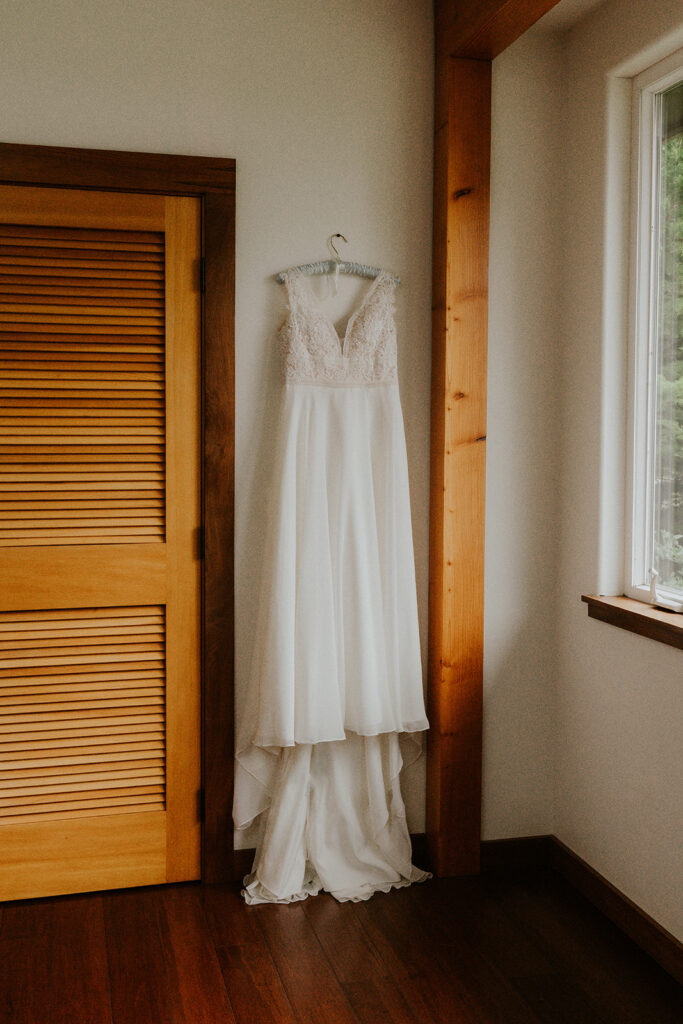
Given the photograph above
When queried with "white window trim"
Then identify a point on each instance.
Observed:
(656, 79)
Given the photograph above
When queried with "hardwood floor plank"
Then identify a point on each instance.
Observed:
(231, 921)
(623, 984)
(343, 939)
(433, 994)
(24, 950)
(487, 954)
(373, 994)
(195, 980)
(488, 950)
(443, 933)
(78, 962)
(556, 1002)
(254, 986)
(309, 981)
(137, 972)
(370, 1003)
(54, 969)
(471, 907)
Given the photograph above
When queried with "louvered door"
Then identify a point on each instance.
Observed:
(100, 324)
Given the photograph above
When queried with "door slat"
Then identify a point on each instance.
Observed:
(71, 736)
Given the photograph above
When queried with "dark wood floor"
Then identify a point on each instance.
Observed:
(510, 951)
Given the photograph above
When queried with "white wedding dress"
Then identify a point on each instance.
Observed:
(335, 704)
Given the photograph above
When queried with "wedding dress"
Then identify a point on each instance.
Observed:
(335, 704)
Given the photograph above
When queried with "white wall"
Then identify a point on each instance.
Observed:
(522, 472)
(606, 702)
(327, 108)
(619, 696)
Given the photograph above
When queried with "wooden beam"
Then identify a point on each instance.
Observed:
(469, 35)
(458, 462)
(482, 29)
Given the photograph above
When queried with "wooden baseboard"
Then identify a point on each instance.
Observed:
(535, 853)
(528, 853)
(660, 944)
(241, 863)
(421, 857)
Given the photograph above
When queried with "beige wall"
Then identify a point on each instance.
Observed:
(327, 108)
(599, 708)
(522, 472)
(619, 696)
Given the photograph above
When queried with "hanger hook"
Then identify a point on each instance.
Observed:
(333, 248)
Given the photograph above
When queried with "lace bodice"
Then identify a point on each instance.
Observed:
(315, 354)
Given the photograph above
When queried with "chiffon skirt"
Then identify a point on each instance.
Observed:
(336, 674)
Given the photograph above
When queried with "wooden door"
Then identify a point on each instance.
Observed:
(100, 327)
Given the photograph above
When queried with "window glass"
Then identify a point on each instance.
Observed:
(666, 542)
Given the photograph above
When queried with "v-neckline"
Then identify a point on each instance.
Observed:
(341, 339)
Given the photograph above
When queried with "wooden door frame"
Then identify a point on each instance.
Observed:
(468, 35)
(212, 180)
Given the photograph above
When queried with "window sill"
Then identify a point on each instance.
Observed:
(665, 627)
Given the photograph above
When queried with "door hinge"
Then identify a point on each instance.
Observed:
(199, 535)
(201, 805)
(202, 275)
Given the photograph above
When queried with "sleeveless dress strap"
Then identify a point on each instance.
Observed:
(296, 291)
(381, 298)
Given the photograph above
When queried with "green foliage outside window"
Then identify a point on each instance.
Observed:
(668, 469)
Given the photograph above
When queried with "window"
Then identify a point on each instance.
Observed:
(656, 496)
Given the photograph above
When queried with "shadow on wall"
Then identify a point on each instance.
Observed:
(518, 774)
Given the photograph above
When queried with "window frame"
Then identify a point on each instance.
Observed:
(647, 87)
